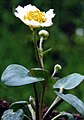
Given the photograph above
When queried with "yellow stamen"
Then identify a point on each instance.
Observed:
(35, 15)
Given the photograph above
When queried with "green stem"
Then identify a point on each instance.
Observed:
(36, 101)
(44, 83)
(55, 103)
(41, 101)
(35, 90)
(36, 48)
(39, 57)
(41, 52)
(56, 117)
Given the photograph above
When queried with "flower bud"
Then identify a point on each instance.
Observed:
(44, 34)
(57, 67)
(32, 102)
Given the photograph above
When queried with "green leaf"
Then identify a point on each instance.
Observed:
(17, 75)
(69, 82)
(70, 116)
(18, 105)
(39, 72)
(10, 115)
(47, 51)
(74, 101)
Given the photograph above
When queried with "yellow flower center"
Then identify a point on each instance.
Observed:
(36, 15)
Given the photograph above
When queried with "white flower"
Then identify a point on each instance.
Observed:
(33, 17)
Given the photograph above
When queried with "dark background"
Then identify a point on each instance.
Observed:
(66, 40)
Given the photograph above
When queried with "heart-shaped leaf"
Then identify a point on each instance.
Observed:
(39, 72)
(69, 82)
(10, 115)
(74, 101)
(17, 75)
(47, 51)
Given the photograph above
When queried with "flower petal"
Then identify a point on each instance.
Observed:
(30, 8)
(50, 14)
(32, 23)
(48, 23)
(19, 12)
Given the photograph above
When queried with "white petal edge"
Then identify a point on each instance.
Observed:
(30, 8)
(50, 14)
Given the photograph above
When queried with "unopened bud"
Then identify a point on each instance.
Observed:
(32, 102)
(44, 34)
(56, 68)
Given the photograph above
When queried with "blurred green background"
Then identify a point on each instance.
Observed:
(66, 40)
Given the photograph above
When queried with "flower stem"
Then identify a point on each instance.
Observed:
(44, 83)
(35, 90)
(41, 100)
(55, 103)
(36, 101)
(39, 57)
(56, 117)
(41, 52)
(36, 48)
